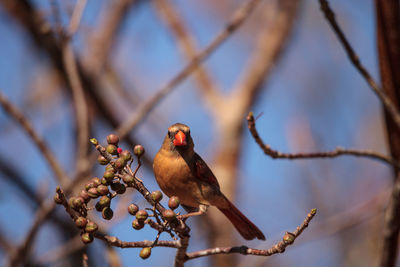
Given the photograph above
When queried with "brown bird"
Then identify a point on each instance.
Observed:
(181, 172)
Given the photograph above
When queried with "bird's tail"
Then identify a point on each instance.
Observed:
(244, 226)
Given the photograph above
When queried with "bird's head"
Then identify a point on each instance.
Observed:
(179, 136)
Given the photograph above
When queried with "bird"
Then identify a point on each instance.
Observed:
(181, 172)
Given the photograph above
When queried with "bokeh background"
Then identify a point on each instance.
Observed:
(313, 99)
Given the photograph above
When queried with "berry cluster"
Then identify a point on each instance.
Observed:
(117, 177)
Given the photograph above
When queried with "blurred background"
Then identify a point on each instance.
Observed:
(284, 63)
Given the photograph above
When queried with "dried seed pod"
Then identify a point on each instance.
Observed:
(137, 225)
(173, 202)
(91, 227)
(142, 215)
(169, 215)
(81, 222)
(145, 253)
(87, 238)
(126, 155)
(156, 196)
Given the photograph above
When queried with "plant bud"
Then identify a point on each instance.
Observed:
(102, 160)
(141, 215)
(102, 190)
(128, 179)
(173, 202)
(169, 215)
(119, 163)
(94, 141)
(105, 201)
(138, 150)
(71, 203)
(156, 196)
(112, 149)
(288, 238)
(118, 187)
(81, 222)
(91, 227)
(126, 155)
(145, 253)
(58, 199)
(84, 194)
(133, 209)
(112, 139)
(109, 175)
(104, 181)
(87, 238)
(92, 192)
(89, 185)
(109, 167)
(96, 181)
(78, 202)
(107, 213)
(137, 225)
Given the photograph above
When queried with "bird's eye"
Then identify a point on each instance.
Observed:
(169, 133)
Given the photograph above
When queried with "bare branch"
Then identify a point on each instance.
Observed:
(269, 47)
(330, 154)
(187, 45)
(17, 115)
(76, 17)
(280, 247)
(233, 24)
(114, 241)
(78, 95)
(385, 100)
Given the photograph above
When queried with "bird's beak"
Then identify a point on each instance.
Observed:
(180, 139)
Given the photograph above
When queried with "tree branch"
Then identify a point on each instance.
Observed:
(27, 126)
(385, 100)
(279, 247)
(251, 123)
(237, 19)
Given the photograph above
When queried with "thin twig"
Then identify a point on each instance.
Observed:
(78, 95)
(279, 247)
(114, 241)
(187, 44)
(233, 24)
(76, 17)
(387, 103)
(17, 115)
(330, 154)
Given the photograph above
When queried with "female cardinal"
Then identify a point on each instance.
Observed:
(181, 172)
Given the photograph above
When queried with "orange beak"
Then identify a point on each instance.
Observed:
(180, 139)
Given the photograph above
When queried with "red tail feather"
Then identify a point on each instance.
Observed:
(244, 226)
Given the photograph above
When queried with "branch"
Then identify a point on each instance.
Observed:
(78, 95)
(251, 123)
(27, 126)
(187, 45)
(233, 24)
(279, 247)
(115, 242)
(385, 100)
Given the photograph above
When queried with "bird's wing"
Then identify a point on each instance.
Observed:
(203, 172)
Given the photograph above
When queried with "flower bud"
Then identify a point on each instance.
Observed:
(92, 192)
(91, 227)
(128, 179)
(102, 160)
(118, 187)
(81, 222)
(112, 139)
(169, 215)
(102, 190)
(119, 163)
(156, 196)
(58, 199)
(87, 238)
(145, 253)
(96, 181)
(138, 150)
(109, 175)
(104, 201)
(133, 209)
(288, 238)
(112, 149)
(84, 194)
(89, 185)
(141, 215)
(173, 202)
(107, 213)
(126, 155)
(137, 225)
(94, 141)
